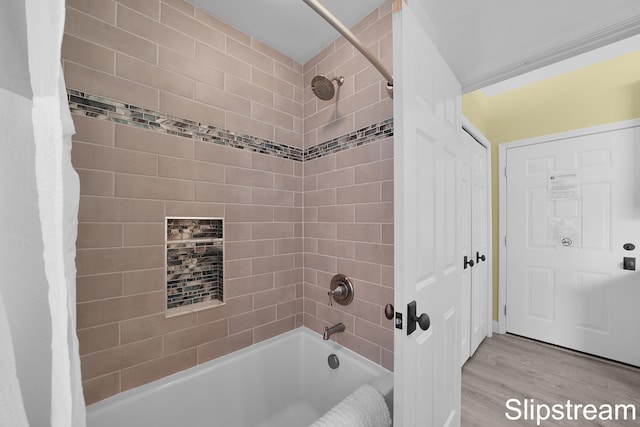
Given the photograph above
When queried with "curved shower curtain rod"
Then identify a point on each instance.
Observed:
(331, 19)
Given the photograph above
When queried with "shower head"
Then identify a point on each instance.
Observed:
(323, 88)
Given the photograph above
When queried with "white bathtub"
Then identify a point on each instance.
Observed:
(282, 382)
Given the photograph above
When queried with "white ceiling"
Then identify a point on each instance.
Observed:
(483, 41)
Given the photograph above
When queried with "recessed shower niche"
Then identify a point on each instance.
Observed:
(194, 264)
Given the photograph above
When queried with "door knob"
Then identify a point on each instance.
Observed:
(422, 320)
(479, 257)
(468, 262)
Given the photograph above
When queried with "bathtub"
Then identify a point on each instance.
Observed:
(285, 381)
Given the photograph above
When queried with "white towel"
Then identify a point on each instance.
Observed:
(365, 407)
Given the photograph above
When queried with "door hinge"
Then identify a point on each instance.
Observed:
(505, 171)
(505, 241)
(505, 309)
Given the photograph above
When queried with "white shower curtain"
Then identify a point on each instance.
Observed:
(58, 196)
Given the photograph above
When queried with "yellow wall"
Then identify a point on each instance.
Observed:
(605, 92)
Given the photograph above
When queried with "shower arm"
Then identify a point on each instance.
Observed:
(335, 23)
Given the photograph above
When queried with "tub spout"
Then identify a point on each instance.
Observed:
(328, 331)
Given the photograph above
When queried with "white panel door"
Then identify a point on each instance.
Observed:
(479, 325)
(428, 260)
(572, 205)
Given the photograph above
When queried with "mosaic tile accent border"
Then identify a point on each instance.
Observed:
(119, 112)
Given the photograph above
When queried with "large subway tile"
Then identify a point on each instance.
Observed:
(96, 82)
(189, 109)
(93, 30)
(229, 102)
(136, 23)
(272, 230)
(387, 276)
(248, 249)
(374, 172)
(237, 231)
(242, 123)
(98, 338)
(194, 28)
(186, 66)
(375, 212)
(387, 234)
(250, 56)
(361, 99)
(364, 310)
(96, 183)
(287, 105)
(183, 6)
(336, 248)
(320, 262)
(263, 196)
(95, 261)
(269, 115)
(144, 234)
(248, 177)
(97, 235)
(342, 125)
(237, 268)
(375, 253)
(248, 285)
(153, 142)
(150, 8)
(245, 89)
(172, 167)
(287, 214)
(360, 232)
(106, 209)
(193, 209)
(159, 368)
(365, 78)
(288, 277)
(270, 330)
(339, 56)
(192, 337)
(331, 316)
(274, 296)
(360, 270)
(287, 246)
(146, 187)
(214, 153)
(141, 328)
(103, 10)
(366, 153)
(231, 307)
(92, 130)
(288, 137)
(342, 213)
(96, 287)
(375, 294)
(267, 163)
(320, 165)
(150, 75)
(374, 113)
(320, 197)
(98, 157)
(100, 388)
(267, 80)
(251, 320)
(387, 191)
(289, 309)
(374, 333)
(363, 193)
(222, 193)
(272, 264)
(117, 358)
(221, 347)
(88, 54)
(287, 182)
(219, 59)
(337, 178)
(141, 281)
(282, 60)
(287, 73)
(320, 230)
(386, 148)
(361, 346)
(248, 213)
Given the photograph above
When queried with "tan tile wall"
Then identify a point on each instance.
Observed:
(348, 196)
(171, 57)
(348, 229)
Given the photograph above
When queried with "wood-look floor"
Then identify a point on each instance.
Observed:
(507, 366)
